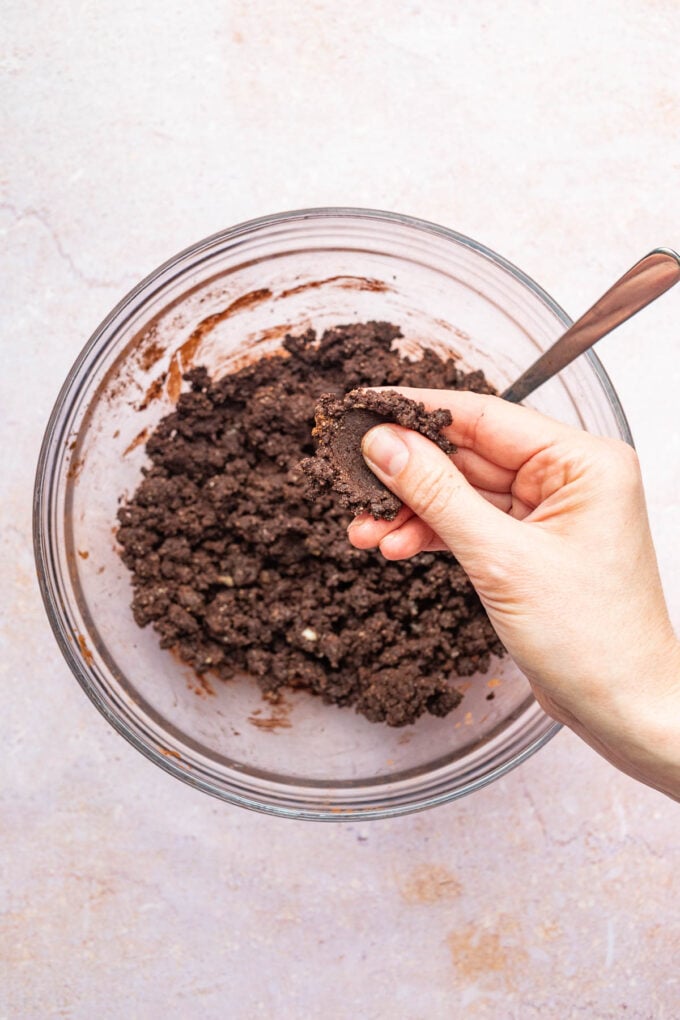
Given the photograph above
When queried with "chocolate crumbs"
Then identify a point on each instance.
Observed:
(238, 572)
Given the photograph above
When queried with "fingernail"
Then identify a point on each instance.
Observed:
(384, 449)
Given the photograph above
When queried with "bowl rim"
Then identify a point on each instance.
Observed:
(319, 812)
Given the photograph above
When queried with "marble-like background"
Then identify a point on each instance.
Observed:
(550, 132)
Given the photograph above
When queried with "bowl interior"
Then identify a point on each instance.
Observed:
(230, 300)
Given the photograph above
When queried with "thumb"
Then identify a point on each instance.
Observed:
(428, 482)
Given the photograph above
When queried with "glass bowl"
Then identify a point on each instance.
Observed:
(233, 297)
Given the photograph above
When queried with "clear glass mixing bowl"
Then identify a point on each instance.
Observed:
(233, 297)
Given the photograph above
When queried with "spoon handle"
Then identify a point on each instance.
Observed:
(645, 281)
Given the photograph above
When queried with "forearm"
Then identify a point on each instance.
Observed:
(634, 720)
(653, 749)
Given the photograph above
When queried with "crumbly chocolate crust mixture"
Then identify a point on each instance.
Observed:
(237, 571)
(341, 424)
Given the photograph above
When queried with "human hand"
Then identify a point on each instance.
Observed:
(551, 527)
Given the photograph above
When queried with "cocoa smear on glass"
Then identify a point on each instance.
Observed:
(238, 571)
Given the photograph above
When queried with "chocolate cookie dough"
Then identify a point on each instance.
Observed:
(238, 572)
(341, 424)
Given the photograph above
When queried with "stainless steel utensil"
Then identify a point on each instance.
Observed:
(642, 284)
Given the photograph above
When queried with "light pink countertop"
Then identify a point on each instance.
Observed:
(129, 132)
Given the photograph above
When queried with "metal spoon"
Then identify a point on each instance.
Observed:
(646, 281)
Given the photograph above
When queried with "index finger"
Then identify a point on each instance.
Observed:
(504, 433)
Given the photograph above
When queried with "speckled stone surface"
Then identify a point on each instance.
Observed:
(130, 131)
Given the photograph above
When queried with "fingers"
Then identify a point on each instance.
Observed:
(427, 481)
(399, 539)
(481, 472)
(413, 537)
(447, 501)
(365, 532)
(403, 537)
(507, 502)
(502, 433)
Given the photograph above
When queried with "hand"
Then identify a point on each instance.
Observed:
(551, 527)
